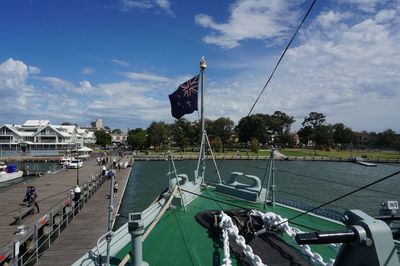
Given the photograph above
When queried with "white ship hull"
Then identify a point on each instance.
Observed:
(10, 176)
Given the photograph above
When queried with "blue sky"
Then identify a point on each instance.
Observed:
(118, 60)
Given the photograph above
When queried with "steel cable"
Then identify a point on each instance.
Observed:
(282, 55)
(343, 196)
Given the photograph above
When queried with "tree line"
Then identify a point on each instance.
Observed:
(252, 132)
(322, 135)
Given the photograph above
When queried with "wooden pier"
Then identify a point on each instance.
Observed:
(61, 223)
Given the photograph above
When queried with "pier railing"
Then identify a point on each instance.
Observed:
(30, 242)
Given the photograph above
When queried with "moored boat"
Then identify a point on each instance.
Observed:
(64, 161)
(363, 163)
(75, 163)
(9, 172)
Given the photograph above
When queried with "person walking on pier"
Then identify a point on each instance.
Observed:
(27, 194)
(31, 197)
(115, 188)
(34, 199)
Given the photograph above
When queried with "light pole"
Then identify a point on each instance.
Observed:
(110, 212)
(77, 168)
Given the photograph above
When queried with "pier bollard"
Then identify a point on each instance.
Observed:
(47, 230)
(136, 229)
(57, 219)
(77, 197)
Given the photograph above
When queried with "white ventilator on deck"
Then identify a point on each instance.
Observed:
(269, 219)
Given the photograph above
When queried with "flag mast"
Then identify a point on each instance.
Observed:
(203, 66)
(204, 137)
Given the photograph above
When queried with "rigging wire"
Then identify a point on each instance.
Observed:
(341, 197)
(219, 205)
(282, 55)
(184, 167)
(145, 190)
(183, 238)
(338, 183)
(307, 198)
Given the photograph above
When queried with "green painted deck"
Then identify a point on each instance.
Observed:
(178, 239)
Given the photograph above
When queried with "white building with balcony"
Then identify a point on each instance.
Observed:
(41, 138)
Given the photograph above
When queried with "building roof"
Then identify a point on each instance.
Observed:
(69, 129)
(32, 128)
(13, 129)
(64, 134)
(36, 123)
(82, 131)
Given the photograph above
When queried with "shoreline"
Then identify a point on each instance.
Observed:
(255, 157)
(154, 157)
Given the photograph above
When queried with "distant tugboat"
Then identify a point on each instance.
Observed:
(362, 162)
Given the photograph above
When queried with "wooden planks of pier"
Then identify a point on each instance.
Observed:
(85, 229)
(53, 190)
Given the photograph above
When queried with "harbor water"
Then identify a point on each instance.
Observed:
(307, 182)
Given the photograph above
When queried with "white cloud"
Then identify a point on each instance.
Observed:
(88, 70)
(85, 86)
(120, 62)
(165, 5)
(251, 19)
(362, 56)
(15, 90)
(146, 77)
(22, 100)
(57, 83)
(364, 5)
(64, 86)
(125, 101)
(133, 100)
(345, 66)
(385, 15)
(14, 74)
(330, 19)
(130, 4)
(114, 89)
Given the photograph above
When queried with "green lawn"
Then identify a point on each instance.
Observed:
(242, 153)
(342, 154)
(369, 154)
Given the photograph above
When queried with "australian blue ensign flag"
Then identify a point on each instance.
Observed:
(184, 99)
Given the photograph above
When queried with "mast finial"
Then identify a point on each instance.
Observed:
(203, 63)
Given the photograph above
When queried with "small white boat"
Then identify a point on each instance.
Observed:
(9, 172)
(75, 163)
(362, 162)
(367, 164)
